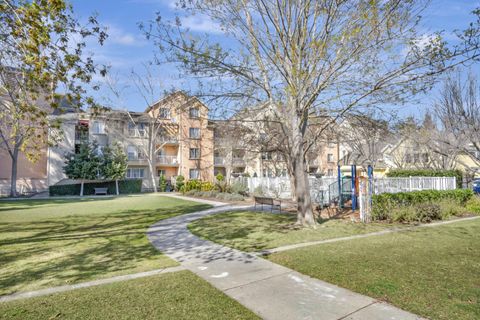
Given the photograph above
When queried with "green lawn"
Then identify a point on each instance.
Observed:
(254, 231)
(46, 243)
(433, 272)
(168, 296)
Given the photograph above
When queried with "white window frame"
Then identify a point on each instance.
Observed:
(194, 177)
(196, 152)
(330, 157)
(98, 127)
(135, 173)
(194, 113)
(193, 130)
(164, 113)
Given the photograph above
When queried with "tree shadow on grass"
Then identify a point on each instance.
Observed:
(76, 248)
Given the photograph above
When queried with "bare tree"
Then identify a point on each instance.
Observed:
(308, 59)
(148, 131)
(458, 110)
(365, 135)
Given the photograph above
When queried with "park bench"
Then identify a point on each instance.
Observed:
(99, 191)
(268, 201)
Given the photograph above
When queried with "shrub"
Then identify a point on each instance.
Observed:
(397, 173)
(385, 203)
(473, 205)
(450, 208)
(239, 188)
(428, 212)
(179, 183)
(207, 186)
(124, 187)
(259, 191)
(162, 183)
(402, 214)
(193, 184)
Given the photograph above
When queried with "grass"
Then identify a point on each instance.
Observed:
(254, 231)
(168, 296)
(433, 272)
(46, 243)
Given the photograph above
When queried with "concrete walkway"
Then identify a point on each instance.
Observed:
(70, 287)
(270, 290)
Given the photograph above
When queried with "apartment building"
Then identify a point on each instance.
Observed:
(249, 146)
(172, 137)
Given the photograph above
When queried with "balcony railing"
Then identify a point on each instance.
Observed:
(139, 157)
(238, 161)
(137, 132)
(167, 160)
(168, 139)
(219, 161)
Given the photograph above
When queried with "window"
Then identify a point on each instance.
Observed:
(330, 157)
(194, 153)
(267, 155)
(132, 153)
(161, 172)
(135, 172)
(138, 130)
(164, 113)
(98, 127)
(194, 174)
(194, 113)
(330, 172)
(194, 133)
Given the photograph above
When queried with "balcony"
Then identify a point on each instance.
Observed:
(167, 160)
(313, 163)
(137, 133)
(168, 139)
(219, 161)
(137, 159)
(239, 162)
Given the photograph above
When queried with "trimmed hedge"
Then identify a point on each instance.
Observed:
(124, 187)
(384, 203)
(405, 173)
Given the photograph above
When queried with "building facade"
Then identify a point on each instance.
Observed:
(172, 137)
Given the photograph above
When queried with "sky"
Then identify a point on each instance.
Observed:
(126, 49)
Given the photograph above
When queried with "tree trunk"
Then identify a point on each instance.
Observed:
(13, 176)
(152, 176)
(81, 188)
(305, 214)
(116, 186)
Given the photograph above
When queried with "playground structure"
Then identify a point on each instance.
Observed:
(347, 191)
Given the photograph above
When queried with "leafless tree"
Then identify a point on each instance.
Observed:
(308, 59)
(458, 110)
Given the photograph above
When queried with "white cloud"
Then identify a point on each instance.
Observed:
(117, 35)
(200, 23)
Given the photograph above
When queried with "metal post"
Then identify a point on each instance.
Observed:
(340, 202)
(354, 197)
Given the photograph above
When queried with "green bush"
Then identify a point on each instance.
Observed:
(124, 187)
(162, 183)
(473, 205)
(427, 212)
(239, 188)
(385, 203)
(207, 186)
(404, 173)
(219, 177)
(179, 183)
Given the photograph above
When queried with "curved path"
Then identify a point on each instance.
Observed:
(270, 290)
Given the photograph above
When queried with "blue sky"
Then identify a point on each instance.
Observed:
(126, 49)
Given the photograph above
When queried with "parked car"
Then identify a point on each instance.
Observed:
(476, 186)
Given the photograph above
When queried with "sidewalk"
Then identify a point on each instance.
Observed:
(270, 290)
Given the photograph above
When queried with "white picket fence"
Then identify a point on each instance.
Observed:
(394, 185)
(279, 187)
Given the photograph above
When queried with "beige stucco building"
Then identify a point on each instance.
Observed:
(175, 130)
